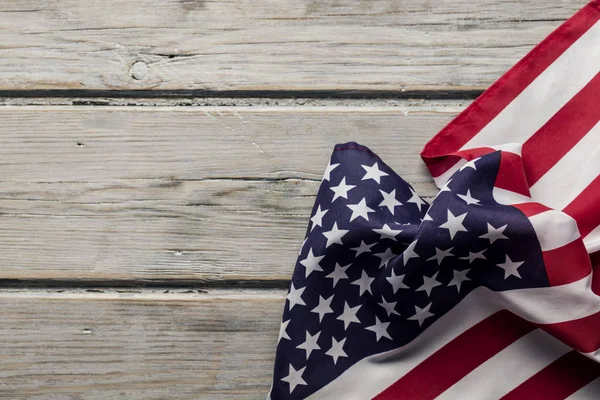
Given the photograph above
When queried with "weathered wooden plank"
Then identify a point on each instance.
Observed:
(59, 144)
(248, 45)
(180, 194)
(146, 346)
(127, 230)
(95, 193)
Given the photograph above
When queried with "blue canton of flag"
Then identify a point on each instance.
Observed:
(379, 265)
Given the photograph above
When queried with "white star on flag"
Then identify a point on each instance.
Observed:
(311, 263)
(335, 235)
(364, 283)
(386, 256)
(494, 233)
(441, 254)
(330, 167)
(324, 307)
(360, 210)
(310, 344)
(363, 248)
(397, 281)
(341, 190)
(410, 252)
(349, 315)
(317, 219)
(338, 273)
(510, 267)
(294, 296)
(389, 307)
(475, 256)
(380, 329)
(373, 172)
(337, 349)
(294, 378)
(416, 199)
(454, 224)
(470, 164)
(458, 277)
(468, 198)
(421, 314)
(282, 331)
(429, 283)
(389, 200)
(387, 232)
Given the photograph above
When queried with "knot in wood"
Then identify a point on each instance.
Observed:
(139, 70)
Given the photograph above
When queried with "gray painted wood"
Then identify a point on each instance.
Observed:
(107, 193)
(269, 45)
(196, 194)
(84, 346)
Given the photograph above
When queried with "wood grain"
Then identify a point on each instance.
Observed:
(193, 196)
(164, 194)
(264, 46)
(138, 346)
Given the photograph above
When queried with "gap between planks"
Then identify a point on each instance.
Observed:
(162, 295)
(118, 99)
(405, 107)
(142, 285)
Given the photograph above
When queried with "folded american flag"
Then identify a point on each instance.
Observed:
(487, 293)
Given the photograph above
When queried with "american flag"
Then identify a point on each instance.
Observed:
(487, 293)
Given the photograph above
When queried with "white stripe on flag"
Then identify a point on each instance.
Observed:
(572, 173)
(509, 368)
(507, 197)
(540, 305)
(550, 305)
(554, 229)
(588, 392)
(592, 241)
(386, 368)
(547, 94)
(441, 180)
(515, 148)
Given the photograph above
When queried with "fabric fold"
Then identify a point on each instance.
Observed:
(381, 270)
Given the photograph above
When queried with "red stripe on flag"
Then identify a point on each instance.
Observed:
(567, 264)
(581, 334)
(468, 154)
(558, 380)
(459, 357)
(584, 208)
(511, 175)
(531, 209)
(468, 123)
(567, 127)
(595, 259)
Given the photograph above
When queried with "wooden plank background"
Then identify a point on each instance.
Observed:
(159, 160)
(268, 45)
(216, 345)
(180, 194)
